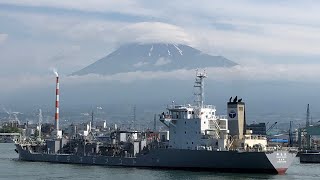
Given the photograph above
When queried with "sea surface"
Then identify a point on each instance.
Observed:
(12, 168)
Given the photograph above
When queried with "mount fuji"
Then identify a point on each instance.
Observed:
(153, 57)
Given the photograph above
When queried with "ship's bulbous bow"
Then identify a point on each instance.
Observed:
(282, 171)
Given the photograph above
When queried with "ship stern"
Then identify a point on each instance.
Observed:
(19, 149)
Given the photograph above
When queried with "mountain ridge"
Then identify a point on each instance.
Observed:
(153, 57)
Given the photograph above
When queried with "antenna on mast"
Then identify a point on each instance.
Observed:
(290, 135)
(307, 126)
(91, 124)
(155, 123)
(308, 116)
(40, 124)
(199, 83)
(134, 118)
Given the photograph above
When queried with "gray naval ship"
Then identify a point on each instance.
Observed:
(197, 139)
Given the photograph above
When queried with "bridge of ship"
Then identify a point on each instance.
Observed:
(188, 111)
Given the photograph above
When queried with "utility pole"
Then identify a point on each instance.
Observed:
(307, 127)
(91, 121)
(155, 123)
(290, 135)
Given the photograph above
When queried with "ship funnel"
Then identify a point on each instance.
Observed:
(236, 117)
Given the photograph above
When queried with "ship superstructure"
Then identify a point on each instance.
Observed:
(195, 126)
(197, 138)
(198, 127)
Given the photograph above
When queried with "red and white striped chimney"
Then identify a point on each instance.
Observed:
(57, 102)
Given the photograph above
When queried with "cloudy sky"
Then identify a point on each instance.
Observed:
(271, 40)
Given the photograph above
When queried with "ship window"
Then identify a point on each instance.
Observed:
(189, 112)
(185, 132)
(187, 142)
(192, 112)
(192, 142)
(185, 122)
(204, 122)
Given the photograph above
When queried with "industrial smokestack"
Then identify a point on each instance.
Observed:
(57, 102)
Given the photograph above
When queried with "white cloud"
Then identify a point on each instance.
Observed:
(263, 73)
(149, 32)
(99, 30)
(162, 61)
(140, 64)
(68, 27)
(3, 38)
(262, 28)
(267, 39)
(277, 39)
(21, 82)
(37, 57)
(293, 12)
(74, 43)
(284, 11)
(123, 6)
(246, 31)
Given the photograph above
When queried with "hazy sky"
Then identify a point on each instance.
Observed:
(271, 40)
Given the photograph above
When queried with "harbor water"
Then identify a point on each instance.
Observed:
(12, 168)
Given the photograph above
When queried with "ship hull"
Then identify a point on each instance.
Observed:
(309, 157)
(224, 161)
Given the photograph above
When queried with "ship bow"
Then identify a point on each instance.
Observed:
(281, 160)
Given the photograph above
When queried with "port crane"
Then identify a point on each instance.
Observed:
(271, 127)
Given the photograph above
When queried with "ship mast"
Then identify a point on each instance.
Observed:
(199, 83)
(40, 124)
(307, 126)
(133, 125)
(308, 116)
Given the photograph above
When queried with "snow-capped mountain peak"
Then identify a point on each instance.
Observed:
(154, 57)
